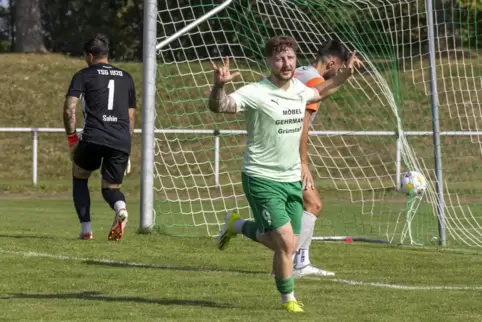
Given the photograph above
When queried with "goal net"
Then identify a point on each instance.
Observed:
(376, 127)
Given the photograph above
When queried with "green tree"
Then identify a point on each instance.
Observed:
(67, 24)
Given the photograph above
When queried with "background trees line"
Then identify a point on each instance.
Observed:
(61, 25)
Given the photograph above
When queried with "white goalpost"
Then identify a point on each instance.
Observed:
(413, 105)
(150, 48)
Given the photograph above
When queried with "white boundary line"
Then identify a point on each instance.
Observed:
(403, 287)
(336, 280)
(99, 261)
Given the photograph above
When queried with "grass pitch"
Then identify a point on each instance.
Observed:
(47, 274)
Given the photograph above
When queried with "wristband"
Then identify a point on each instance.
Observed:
(72, 139)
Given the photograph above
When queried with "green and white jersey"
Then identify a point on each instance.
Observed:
(274, 121)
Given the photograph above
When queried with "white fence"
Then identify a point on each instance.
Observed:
(216, 133)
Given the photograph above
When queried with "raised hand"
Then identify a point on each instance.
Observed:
(352, 63)
(222, 74)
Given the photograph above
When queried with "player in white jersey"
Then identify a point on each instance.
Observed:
(331, 57)
(274, 110)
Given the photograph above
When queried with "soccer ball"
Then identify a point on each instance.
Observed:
(413, 181)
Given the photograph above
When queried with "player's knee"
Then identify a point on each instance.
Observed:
(290, 246)
(285, 241)
(111, 196)
(79, 173)
(108, 185)
(313, 206)
(286, 247)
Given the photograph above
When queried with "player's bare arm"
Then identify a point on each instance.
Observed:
(132, 120)
(69, 114)
(332, 85)
(306, 177)
(219, 102)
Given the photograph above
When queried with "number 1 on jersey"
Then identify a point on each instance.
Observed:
(111, 87)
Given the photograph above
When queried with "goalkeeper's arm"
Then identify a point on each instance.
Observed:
(132, 119)
(70, 105)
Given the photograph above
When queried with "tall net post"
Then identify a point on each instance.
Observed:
(436, 122)
(148, 114)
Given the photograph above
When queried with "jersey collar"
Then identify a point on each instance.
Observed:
(276, 87)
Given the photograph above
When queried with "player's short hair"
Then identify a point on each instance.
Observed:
(279, 44)
(332, 48)
(97, 46)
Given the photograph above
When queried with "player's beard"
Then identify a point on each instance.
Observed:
(284, 75)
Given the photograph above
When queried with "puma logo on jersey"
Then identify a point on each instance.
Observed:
(275, 101)
(109, 118)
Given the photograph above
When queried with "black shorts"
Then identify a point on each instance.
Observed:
(90, 157)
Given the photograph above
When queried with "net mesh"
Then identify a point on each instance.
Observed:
(353, 146)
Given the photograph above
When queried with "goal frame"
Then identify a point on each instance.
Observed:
(150, 49)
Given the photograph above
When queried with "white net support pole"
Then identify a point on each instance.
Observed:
(148, 114)
(148, 108)
(436, 123)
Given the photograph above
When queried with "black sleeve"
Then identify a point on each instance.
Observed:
(132, 95)
(77, 86)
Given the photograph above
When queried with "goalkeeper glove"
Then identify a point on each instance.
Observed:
(72, 140)
(128, 168)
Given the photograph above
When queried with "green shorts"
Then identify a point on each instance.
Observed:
(274, 204)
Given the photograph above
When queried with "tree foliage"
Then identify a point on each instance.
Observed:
(66, 25)
(5, 29)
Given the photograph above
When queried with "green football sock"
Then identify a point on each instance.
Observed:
(285, 285)
(250, 230)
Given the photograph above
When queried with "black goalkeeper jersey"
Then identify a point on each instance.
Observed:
(107, 94)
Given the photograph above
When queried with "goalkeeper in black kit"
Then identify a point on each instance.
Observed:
(108, 103)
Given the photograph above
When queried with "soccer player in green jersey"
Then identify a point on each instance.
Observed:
(274, 110)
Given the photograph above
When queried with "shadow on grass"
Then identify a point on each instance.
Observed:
(97, 296)
(169, 267)
(26, 236)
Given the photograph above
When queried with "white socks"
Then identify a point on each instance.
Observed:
(302, 256)
(307, 227)
(119, 205)
(287, 297)
(86, 227)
